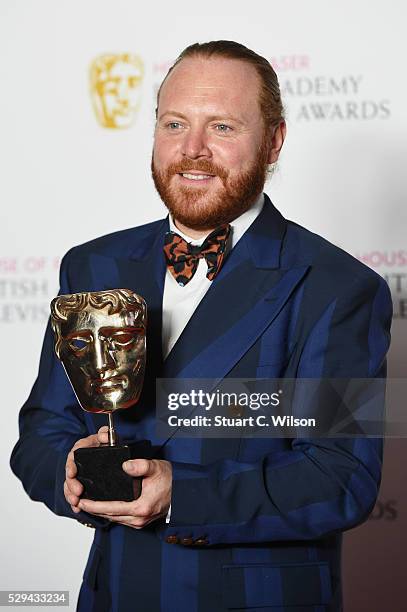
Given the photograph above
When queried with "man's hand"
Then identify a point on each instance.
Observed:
(153, 503)
(72, 487)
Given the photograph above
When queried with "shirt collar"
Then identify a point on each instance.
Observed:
(238, 225)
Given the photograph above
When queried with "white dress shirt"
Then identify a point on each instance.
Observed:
(179, 303)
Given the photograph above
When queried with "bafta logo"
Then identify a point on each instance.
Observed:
(115, 88)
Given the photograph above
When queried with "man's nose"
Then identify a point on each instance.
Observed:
(102, 358)
(195, 144)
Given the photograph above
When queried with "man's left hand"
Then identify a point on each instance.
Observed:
(153, 503)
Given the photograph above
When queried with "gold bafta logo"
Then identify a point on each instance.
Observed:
(115, 88)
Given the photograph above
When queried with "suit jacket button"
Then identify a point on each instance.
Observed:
(172, 539)
(187, 541)
(201, 541)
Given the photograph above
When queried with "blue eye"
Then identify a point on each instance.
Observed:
(221, 127)
(173, 125)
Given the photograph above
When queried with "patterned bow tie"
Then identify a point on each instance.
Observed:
(183, 257)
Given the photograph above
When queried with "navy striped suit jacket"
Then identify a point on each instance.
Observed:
(256, 523)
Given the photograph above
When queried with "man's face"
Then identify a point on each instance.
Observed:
(210, 152)
(104, 357)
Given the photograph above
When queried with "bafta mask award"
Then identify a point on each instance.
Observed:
(100, 339)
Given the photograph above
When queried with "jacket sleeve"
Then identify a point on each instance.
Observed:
(316, 486)
(50, 423)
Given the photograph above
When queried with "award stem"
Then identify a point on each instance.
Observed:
(112, 433)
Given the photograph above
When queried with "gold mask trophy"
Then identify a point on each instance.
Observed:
(100, 338)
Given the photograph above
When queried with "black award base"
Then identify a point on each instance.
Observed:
(101, 474)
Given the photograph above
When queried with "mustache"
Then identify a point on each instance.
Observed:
(204, 165)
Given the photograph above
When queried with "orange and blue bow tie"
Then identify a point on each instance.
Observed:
(183, 257)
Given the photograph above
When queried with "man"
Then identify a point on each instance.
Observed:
(221, 524)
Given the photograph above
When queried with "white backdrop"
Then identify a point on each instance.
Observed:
(66, 179)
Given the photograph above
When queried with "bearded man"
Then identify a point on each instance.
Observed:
(233, 290)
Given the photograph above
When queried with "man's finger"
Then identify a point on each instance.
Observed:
(139, 467)
(74, 486)
(103, 435)
(70, 498)
(130, 521)
(86, 442)
(110, 508)
(70, 468)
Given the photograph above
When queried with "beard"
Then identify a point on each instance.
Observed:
(199, 210)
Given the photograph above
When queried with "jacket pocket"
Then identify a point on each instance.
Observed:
(268, 585)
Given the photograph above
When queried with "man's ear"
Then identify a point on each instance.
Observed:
(277, 141)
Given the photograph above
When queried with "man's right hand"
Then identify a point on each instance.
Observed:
(72, 487)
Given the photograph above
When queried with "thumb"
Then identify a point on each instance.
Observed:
(138, 467)
(103, 435)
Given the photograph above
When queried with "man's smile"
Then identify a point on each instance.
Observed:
(196, 177)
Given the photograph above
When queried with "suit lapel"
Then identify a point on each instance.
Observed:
(242, 301)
